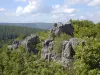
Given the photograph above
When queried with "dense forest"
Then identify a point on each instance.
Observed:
(20, 62)
(40, 25)
(9, 33)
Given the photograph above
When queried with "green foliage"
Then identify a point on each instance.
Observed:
(21, 37)
(58, 43)
(87, 59)
(20, 62)
(9, 33)
(43, 35)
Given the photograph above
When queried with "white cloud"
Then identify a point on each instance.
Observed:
(55, 16)
(94, 3)
(56, 6)
(57, 9)
(72, 15)
(37, 9)
(94, 16)
(82, 18)
(69, 10)
(62, 17)
(76, 1)
(32, 7)
(58, 17)
(19, 10)
(37, 6)
(61, 13)
(2, 9)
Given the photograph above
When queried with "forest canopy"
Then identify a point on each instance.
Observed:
(9, 33)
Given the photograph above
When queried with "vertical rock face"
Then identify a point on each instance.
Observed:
(63, 28)
(67, 53)
(29, 43)
(47, 46)
(68, 29)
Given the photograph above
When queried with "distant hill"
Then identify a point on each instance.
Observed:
(33, 25)
(10, 32)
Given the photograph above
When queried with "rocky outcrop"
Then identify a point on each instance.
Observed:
(62, 28)
(48, 53)
(14, 45)
(67, 50)
(29, 43)
(67, 53)
(47, 46)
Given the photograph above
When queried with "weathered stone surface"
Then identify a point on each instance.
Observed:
(47, 46)
(67, 55)
(74, 42)
(67, 49)
(67, 52)
(29, 43)
(63, 28)
(14, 45)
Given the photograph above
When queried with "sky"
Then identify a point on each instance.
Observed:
(29, 11)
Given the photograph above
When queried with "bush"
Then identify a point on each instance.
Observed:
(58, 43)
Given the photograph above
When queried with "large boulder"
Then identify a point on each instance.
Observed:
(63, 28)
(67, 53)
(30, 43)
(67, 50)
(46, 50)
(14, 45)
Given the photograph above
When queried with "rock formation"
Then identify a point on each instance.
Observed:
(67, 50)
(48, 52)
(67, 55)
(62, 28)
(29, 43)
(47, 46)
(14, 45)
